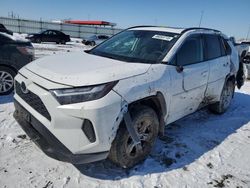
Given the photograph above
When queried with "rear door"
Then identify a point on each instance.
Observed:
(189, 78)
(219, 63)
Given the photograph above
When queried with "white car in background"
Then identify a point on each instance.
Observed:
(95, 40)
(113, 101)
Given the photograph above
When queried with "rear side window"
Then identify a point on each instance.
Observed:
(222, 47)
(213, 46)
(190, 52)
(227, 46)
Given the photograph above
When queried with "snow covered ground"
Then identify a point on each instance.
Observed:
(201, 150)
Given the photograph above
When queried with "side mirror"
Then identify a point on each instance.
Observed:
(179, 68)
(246, 60)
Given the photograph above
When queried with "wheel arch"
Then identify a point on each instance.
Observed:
(9, 66)
(157, 103)
(231, 78)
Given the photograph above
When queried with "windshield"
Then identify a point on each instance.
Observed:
(137, 46)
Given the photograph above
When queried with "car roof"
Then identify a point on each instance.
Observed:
(155, 28)
(177, 30)
(52, 30)
(8, 36)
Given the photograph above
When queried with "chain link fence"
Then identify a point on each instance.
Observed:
(33, 26)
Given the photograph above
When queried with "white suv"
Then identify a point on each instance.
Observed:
(113, 101)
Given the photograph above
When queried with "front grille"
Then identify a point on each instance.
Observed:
(33, 100)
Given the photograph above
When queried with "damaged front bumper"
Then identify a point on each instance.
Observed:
(48, 143)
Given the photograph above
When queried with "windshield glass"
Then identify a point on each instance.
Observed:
(137, 46)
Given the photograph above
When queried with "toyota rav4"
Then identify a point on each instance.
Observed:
(115, 99)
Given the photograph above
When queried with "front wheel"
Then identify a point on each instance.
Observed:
(124, 152)
(225, 99)
(63, 42)
(6, 80)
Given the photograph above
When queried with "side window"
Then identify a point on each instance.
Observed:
(222, 47)
(213, 46)
(227, 47)
(190, 52)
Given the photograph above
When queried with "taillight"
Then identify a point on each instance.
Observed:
(27, 50)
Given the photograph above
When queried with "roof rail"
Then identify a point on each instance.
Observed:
(142, 26)
(203, 28)
(155, 26)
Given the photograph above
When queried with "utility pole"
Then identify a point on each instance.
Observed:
(202, 12)
(248, 33)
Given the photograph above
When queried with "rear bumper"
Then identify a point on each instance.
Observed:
(48, 143)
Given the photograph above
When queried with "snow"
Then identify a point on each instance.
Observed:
(201, 149)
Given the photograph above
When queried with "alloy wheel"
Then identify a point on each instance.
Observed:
(6, 81)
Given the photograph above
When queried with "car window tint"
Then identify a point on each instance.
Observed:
(190, 52)
(227, 46)
(213, 48)
(222, 47)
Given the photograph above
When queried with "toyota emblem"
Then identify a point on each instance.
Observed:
(24, 88)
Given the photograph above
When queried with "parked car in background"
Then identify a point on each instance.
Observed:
(49, 36)
(95, 40)
(242, 47)
(244, 69)
(4, 30)
(114, 100)
(14, 54)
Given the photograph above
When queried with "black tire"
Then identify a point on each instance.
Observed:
(63, 42)
(38, 40)
(225, 99)
(92, 43)
(123, 152)
(6, 80)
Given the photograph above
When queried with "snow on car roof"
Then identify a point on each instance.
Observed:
(15, 37)
(177, 30)
(164, 29)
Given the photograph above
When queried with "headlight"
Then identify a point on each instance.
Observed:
(82, 94)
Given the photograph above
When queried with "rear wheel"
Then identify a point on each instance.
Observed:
(225, 99)
(92, 43)
(38, 40)
(6, 80)
(63, 42)
(124, 152)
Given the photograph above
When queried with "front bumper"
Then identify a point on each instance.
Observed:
(48, 143)
(67, 123)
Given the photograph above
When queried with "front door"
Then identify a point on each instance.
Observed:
(189, 75)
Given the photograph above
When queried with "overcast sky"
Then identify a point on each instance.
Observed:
(230, 16)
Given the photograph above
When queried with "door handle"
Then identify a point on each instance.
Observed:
(204, 73)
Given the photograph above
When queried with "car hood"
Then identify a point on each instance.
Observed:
(83, 69)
